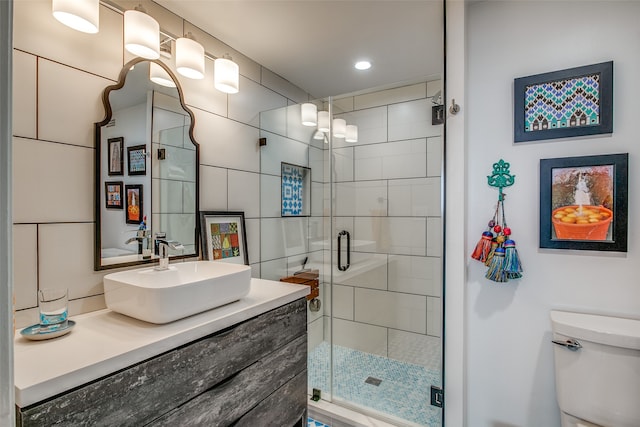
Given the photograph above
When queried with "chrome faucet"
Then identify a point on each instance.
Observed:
(162, 246)
(143, 239)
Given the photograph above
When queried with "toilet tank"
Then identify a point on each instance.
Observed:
(599, 382)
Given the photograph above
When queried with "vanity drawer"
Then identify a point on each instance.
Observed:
(142, 393)
(228, 401)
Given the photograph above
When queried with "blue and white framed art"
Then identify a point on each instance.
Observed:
(562, 104)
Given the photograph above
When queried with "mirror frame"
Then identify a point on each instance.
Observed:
(98, 184)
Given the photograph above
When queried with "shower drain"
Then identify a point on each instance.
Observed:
(374, 381)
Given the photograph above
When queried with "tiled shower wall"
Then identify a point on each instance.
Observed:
(59, 76)
(387, 195)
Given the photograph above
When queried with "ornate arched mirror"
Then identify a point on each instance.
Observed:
(146, 168)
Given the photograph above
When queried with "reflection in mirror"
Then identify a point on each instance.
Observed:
(146, 170)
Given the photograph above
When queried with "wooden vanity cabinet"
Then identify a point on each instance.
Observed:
(253, 373)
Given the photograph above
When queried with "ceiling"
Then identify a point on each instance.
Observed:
(314, 43)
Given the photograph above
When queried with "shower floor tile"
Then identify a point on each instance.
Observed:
(403, 391)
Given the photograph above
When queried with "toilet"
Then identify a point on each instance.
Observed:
(597, 369)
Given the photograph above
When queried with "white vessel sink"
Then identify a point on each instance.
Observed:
(183, 290)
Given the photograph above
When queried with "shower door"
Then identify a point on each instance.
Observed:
(381, 347)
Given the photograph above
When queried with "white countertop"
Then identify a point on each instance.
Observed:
(103, 341)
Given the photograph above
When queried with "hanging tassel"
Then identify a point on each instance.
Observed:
(481, 252)
(496, 271)
(512, 262)
(494, 246)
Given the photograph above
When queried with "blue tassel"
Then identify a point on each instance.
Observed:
(496, 271)
(512, 264)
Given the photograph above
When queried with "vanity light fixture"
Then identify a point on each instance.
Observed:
(189, 57)
(81, 15)
(318, 135)
(351, 134)
(323, 121)
(226, 75)
(159, 75)
(309, 114)
(339, 128)
(141, 34)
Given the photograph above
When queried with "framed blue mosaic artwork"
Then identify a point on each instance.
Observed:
(563, 104)
(296, 190)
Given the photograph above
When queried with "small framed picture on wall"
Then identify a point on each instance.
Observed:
(115, 156)
(113, 194)
(224, 237)
(137, 160)
(134, 212)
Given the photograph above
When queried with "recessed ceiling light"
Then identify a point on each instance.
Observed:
(363, 65)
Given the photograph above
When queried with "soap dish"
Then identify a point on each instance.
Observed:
(37, 333)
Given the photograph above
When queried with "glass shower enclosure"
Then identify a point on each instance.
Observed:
(360, 216)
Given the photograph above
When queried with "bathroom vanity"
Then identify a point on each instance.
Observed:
(243, 364)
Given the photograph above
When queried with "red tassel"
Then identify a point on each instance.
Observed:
(481, 252)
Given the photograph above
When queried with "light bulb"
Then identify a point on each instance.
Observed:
(190, 58)
(81, 15)
(323, 121)
(309, 114)
(141, 34)
(226, 75)
(339, 128)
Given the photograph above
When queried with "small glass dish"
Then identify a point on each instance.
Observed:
(37, 332)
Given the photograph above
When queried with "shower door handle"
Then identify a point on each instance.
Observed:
(340, 266)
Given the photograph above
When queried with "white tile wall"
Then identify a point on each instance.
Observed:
(72, 267)
(394, 235)
(81, 93)
(37, 31)
(415, 197)
(412, 119)
(415, 275)
(434, 156)
(391, 96)
(280, 85)
(253, 240)
(226, 143)
(24, 94)
(402, 159)
(52, 182)
(270, 201)
(246, 105)
(25, 265)
(366, 271)
(274, 121)
(201, 95)
(392, 310)
(366, 198)
(434, 237)
(434, 316)
(372, 126)
(342, 164)
(244, 193)
(213, 188)
(343, 302)
(281, 149)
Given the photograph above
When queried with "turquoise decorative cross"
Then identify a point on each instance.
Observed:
(500, 177)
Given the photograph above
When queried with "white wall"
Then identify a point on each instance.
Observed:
(509, 357)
